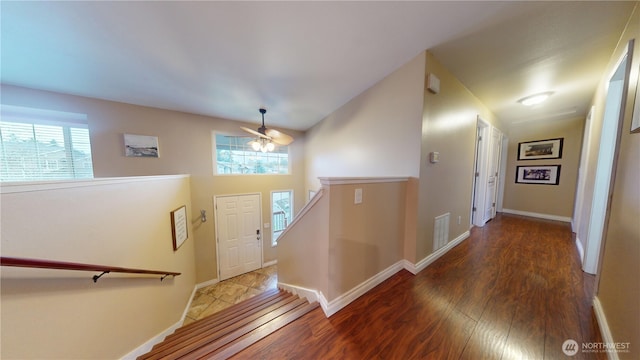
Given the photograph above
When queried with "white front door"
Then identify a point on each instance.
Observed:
(238, 233)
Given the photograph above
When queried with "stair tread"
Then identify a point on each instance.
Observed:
(232, 309)
(187, 340)
(261, 332)
(211, 347)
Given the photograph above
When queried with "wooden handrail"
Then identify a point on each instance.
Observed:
(60, 265)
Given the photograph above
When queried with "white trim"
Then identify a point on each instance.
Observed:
(331, 307)
(422, 264)
(359, 180)
(345, 299)
(580, 249)
(19, 187)
(269, 263)
(607, 338)
(148, 345)
(538, 215)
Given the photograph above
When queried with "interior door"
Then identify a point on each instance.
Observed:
(238, 234)
(495, 145)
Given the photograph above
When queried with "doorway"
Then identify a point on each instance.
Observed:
(486, 184)
(238, 234)
(605, 165)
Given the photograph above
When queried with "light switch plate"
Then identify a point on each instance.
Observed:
(358, 196)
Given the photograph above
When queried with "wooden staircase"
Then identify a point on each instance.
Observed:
(233, 329)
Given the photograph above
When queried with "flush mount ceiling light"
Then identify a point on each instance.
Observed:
(267, 138)
(535, 98)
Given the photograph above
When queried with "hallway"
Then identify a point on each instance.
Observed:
(513, 290)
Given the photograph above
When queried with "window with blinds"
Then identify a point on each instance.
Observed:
(39, 144)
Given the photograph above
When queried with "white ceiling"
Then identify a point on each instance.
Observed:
(303, 60)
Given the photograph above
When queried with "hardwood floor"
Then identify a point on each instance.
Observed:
(513, 290)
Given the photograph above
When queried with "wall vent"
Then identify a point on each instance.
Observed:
(441, 231)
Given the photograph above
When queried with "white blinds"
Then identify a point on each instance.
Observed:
(36, 147)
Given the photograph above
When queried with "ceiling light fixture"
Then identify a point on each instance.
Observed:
(535, 98)
(266, 139)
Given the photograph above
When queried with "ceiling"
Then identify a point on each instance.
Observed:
(303, 60)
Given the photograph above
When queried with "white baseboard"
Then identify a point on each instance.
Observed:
(538, 215)
(147, 346)
(269, 263)
(345, 299)
(331, 307)
(422, 264)
(607, 338)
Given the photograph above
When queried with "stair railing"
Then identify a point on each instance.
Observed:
(60, 265)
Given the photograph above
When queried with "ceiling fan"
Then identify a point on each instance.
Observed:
(267, 138)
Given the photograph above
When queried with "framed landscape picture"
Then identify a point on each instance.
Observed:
(140, 146)
(540, 149)
(541, 175)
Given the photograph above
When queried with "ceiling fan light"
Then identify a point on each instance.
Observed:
(270, 146)
(255, 145)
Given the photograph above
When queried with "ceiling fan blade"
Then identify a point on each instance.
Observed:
(278, 137)
(250, 131)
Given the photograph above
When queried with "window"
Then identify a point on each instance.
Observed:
(233, 155)
(43, 145)
(281, 213)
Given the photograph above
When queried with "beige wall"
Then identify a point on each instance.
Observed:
(58, 314)
(619, 288)
(185, 142)
(366, 238)
(346, 243)
(309, 236)
(448, 126)
(544, 199)
(375, 134)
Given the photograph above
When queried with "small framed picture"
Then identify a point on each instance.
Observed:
(140, 146)
(541, 175)
(540, 149)
(179, 231)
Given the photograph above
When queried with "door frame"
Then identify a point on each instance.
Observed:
(483, 133)
(215, 216)
(606, 166)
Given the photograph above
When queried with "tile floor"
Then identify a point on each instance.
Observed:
(213, 298)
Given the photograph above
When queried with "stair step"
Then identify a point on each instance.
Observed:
(261, 332)
(232, 310)
(191, 340)
(228, 332)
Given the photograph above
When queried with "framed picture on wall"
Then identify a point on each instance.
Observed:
(140, 146)
(541, 175)
(540, 149)
(179, 231)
